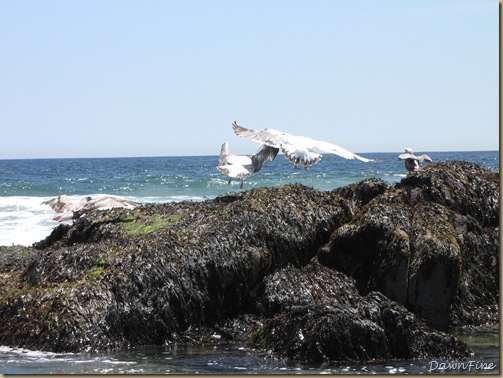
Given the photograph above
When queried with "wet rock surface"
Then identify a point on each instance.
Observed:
(372, 270)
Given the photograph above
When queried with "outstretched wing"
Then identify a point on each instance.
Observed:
(297, 149)
(224, 154)
(226, 157)
(408, 157)
(425, 157)
(107, 201)
(269, 137)
(60, 204)
(264, 153)
(338, 150)
(419, 158)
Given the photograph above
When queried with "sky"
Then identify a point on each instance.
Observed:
(123, 78)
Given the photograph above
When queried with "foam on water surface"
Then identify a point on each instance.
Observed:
(25, 220)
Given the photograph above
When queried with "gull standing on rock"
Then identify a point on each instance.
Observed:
(299, 150)
(233, 165)
(412, 161)
(71, 210)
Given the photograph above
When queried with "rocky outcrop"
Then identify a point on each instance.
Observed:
(318, 314)
(429, 242)
(362, 272)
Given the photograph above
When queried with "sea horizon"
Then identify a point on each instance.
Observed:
(216, 154)
(26, 183)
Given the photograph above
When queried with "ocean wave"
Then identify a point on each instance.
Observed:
(25, 220)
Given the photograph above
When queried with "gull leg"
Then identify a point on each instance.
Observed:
(241, 186)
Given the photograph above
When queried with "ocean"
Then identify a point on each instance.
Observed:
(26, 183)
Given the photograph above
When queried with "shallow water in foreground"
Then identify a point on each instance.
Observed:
(235, 359)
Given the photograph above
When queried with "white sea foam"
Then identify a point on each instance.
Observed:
(25, 220)
(29, 353)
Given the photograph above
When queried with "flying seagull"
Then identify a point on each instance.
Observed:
(233, 165)
(412, 161)
(299, 150)
(74, 210)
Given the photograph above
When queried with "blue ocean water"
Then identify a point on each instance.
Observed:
(24, 184)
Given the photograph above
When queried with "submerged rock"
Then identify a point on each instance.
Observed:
(359, 273)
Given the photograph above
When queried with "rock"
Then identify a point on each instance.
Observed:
(317, 314)
(359, 267)
(321, 333)
(426, 242)
(146, 276)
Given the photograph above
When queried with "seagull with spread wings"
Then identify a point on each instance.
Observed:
(412, 161)
(74, 210)
(299, 150)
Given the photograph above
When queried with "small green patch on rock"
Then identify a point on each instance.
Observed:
(151, 224)
(97, 271)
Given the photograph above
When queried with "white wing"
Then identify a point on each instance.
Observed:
(224, 154)
(106, 201)
(408, 156)
(60, 204)
(233, 170)
(420, 158)
(226, 157)
(300, 154)
(425, 157)
(269, 137)
(297, 149)
(338, 150)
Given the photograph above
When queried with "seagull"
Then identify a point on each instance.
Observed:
(412, 161)
(299, 150)
(74, 210)
(233, 165)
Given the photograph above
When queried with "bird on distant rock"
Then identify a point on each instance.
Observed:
(299, 150)
(412, 161)
(73, 210)
(233, 165)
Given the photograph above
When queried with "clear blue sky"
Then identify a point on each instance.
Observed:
(94, 78)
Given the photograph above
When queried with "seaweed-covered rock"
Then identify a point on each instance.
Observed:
(428, 243)
(247, 264)
(317, 314)
(147, 275)
(374, 329)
